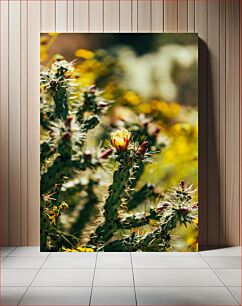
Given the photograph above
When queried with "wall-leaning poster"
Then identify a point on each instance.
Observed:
(119, 142)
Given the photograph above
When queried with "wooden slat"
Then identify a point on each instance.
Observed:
(14, 122)
(48, 16)
(213, 123)
(183, 16)
(111, 16)
(191, 16)
(81, 16)
(171, 16)
(144, 16)
(157, 16)
(33, 121)
(23, 126)
(4, 123)
(222, 120)
(232, 122)
(96, 16)
(70, 15)
(201, 28)
(125, 15)
(134, 14)
(61, 16)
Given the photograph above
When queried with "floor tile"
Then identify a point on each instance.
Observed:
(231, 251)
(230, 277)
(23, 262)
(113, 277)
(17, 277)
(4, 251)
(174, 277)
(28, 251)
(165, 254)
(77, 262)
(169, 262)
(113, 296)
(113, 254)
(57, 296)
(11, 295)
(115, 262)
(236, 292)
(184, 296)
(64, 277)
(219, 262)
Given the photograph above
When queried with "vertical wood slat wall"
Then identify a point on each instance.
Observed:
(216, 22)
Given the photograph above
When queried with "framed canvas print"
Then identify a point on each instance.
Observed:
(119, 142)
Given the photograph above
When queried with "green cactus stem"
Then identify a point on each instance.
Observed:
(87, 212)
(117, 192)
(138, 197)
(139, 219)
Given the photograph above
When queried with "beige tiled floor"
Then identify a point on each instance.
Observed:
(29, 277)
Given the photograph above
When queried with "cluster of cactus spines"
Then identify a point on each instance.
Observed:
(178, 208)
(68, 113)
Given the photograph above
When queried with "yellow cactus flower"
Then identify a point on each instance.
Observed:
(120, 139)
(153, 222)
(86, 54)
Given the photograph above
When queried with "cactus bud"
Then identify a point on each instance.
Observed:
(88, 155)
(182, 184)
(143, 147)
(63, 206)
(67, 74)
(68, 121)
(146, 124)
(53, 84)
(157, 130)
(162, 206)
(66, 136)
(92, 88)
(184, 210)
(102, 104)
(106, 153)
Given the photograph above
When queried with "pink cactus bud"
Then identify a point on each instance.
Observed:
(162, 206)
(157, 130)
(66, 136)
(143, 147)
(184, 210)
(68, 121)
(106, 153)
(88, 155)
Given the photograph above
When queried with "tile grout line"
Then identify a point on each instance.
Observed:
(135, 295)
(220, 280)
(90, 299)
(239, 302)
(33, 279)
(14, 248)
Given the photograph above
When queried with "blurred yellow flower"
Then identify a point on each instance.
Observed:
(84, 53)
(131, 97)
(120, 139)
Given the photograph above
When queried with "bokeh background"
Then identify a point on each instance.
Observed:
(148, 77)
